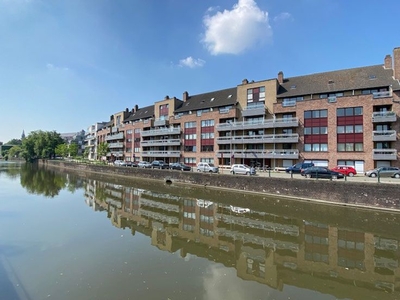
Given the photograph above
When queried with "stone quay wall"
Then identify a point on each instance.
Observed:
(372, 195)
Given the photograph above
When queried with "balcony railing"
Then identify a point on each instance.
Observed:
(384, 116)
(385, 94)
(161, 153)
(384, 135)
(171, 142)
(115, 145)
(257, 139)
(118, 136)
(253, 111)
(116, 153)
(162, 131)
(384, 154)
(161, 122)
(277, 154)
(266, 123)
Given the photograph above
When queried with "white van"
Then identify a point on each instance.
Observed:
(206, 167)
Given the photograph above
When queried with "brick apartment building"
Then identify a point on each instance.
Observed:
(339, 117)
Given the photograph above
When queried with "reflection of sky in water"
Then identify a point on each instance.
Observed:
(61, 249)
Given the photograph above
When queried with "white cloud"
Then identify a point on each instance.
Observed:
(191, 62)
(234, 31)
(51, 67)
(282, 17)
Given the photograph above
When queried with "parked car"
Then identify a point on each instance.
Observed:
(206, 167)
(180, 166)
(384, 172)
(144, 164)
(242, 169)
(159, 164)
(345, 170)
(119, 163)
(321, 172)
(296, 168)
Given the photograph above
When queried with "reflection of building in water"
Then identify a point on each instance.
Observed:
(263, 247)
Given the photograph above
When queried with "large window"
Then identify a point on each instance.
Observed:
(316, 130)
(312, 114)
(190, 124)
(207, 148)
(315, 147)
(350, 129)
(190, 148)
(350, 147)
(256, 95)
(349, 111)
(207, 123)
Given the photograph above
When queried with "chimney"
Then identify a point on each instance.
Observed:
(396, 63)
(245, 81)
(185, 96)
(166, 97)
(136, 108)
(280, 77)
(388, 62)
(127, 110)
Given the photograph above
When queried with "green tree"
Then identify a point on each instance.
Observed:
(73, 149)
(15, 151)
(102, 150)
(40, 144)
(14, 142)
(86, 153)
(62, 150)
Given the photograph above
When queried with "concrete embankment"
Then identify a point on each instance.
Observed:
(372, 195)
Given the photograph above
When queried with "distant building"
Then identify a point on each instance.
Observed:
(91, 139)
(75, 137)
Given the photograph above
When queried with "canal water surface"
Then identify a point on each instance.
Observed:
(69, 236)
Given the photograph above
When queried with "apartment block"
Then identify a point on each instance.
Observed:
(347, 117)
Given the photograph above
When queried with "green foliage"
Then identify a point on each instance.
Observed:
(73, 149)
(86, 153)
(40, 144)
(15, 151)
(16, 142)
(102, 150)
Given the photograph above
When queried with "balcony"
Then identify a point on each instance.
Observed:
(259, 139)
(161, 122)
(384, 116)
(384, 154)
(161, 154)
(276, 154)
(266, 123)
(116, 153)
(118, 136)
(171, 142)
(115, 145)
(378, 95)
(384, 135)
(253, 111)
(162, 131)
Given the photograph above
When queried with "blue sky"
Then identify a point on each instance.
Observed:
(65, 65)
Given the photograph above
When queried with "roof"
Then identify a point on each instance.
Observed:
(208, 100)
(141, 113)
(337, 81)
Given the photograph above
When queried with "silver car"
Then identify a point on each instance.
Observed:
(384, 172)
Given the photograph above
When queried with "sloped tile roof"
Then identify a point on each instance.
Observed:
(337, 81)
(208, 100)
(141, 113)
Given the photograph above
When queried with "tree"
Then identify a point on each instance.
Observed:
(73, 149)
(40, 144)
(14, 142)
(14, 151)
(86, 153)
(102, 150)
(62, 150)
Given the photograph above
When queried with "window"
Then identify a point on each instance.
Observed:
(256, 94)
(207, 160)
(190, 136)
(350, 129)
(190, 160)
(207, 148)
(190, 124)
(350, 147)
(129, 131)
(315, 147)
(311, 114)
(207, 123)
(316, 130)
(137, 130)
(207, 135)
(190, 148)
(349, 111)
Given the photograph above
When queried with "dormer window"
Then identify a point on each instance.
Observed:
(293, 87)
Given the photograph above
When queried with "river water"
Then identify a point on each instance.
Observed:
(68, 236)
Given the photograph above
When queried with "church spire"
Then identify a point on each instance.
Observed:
(23, 134)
